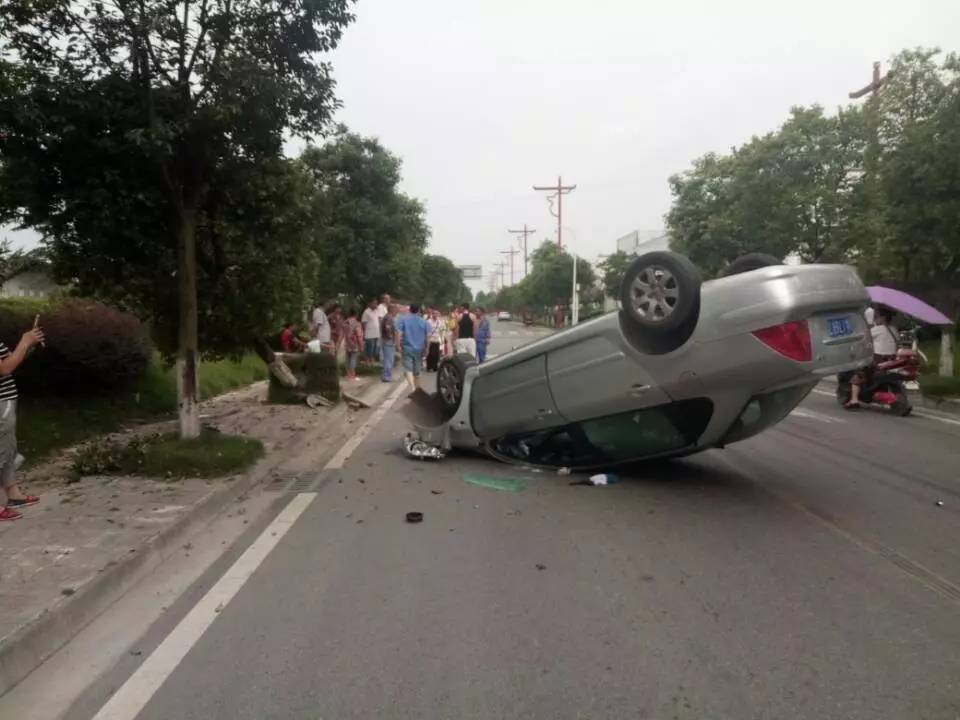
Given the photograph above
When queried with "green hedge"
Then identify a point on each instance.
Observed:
(90, 348)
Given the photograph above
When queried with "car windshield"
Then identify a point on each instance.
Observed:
(612, 438)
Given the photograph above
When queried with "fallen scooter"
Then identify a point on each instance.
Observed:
(885, 383)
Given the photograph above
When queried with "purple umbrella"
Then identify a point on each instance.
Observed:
(908, 305)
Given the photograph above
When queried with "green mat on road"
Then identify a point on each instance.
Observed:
(496, 483)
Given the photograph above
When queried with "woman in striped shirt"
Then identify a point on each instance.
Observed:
(10, 361)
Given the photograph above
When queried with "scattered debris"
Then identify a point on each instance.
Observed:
(414, 517)
(436, 492)
(601, 479)
(67, 591)
(218, 608)
(136, 653)
(563, 471)
(939, 503)
(316, 400)
(541, 566)
(354, 400)
(506, 484)
(420, 450)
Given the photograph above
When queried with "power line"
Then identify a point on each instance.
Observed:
(558, 190)
(525, 232)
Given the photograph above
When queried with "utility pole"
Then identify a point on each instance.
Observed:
(500, 267)
(525, 232)
(874, 86)
(575, 305)
(511, 252)
(558, 191)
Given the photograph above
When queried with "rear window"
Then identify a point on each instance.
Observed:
(613, 438)
(764, 411)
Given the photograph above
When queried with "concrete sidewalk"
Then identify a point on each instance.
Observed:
(86, 543)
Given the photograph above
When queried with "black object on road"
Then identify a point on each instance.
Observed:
(414, 517)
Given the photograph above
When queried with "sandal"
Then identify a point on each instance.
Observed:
(9, 514)
(22, 502)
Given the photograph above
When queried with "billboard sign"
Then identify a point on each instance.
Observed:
(471, 272)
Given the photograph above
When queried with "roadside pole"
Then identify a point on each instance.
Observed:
(575, 306)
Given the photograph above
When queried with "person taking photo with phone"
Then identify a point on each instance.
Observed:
(14, 497)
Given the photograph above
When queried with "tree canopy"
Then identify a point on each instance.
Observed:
(550, 281)
(876, 184)
(127, 121)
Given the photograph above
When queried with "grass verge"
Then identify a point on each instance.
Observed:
(46, 424)
(939, 387)
(167, 456)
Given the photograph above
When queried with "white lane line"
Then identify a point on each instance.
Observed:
(916, 411)
(513, 332)
(134, 694)
(819, 417)
(337, 461)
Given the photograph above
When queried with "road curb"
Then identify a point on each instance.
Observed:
(29, 646)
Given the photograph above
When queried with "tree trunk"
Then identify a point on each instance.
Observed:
(187, 350)
(946, 351)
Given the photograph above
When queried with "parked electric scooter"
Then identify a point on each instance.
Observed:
(884, 384)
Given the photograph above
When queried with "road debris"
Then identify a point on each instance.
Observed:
(601, 479)
(939, 503)
(420, 450)
(506, 484)
(414, 517)
(436, 492)
(541, 566)
(316, 400)
(563, 471)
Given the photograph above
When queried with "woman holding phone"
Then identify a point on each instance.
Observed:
(10, 361)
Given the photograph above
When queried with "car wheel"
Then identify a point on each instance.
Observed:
(450, 377)
(660, 297)
(750, 261)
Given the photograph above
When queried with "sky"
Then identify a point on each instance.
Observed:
(482, 100)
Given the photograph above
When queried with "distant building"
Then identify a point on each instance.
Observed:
(29, 283)
(642, 241)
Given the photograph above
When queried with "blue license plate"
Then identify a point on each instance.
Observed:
(839, 327)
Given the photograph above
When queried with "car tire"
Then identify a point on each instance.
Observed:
(750, 261)
(660, 301)
(450, 378)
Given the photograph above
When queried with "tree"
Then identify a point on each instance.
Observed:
(440, 283)
(920, 171)
(549, 282)
(613, 268)
(194, 89)
(369, 235)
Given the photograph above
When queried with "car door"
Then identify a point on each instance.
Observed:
(597, 376)
(515, 398)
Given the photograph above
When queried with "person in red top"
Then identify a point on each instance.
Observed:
(289, 340)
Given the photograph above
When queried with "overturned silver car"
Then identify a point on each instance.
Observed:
(684, 366)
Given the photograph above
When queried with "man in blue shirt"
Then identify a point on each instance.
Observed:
(482, 334)
(412, 334)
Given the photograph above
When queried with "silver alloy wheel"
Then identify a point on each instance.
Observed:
(450, 384)
(655, 294)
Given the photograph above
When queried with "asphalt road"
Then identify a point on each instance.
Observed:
(806, 573)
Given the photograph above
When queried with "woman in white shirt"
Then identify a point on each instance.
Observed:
(885, 343)
(435, 328)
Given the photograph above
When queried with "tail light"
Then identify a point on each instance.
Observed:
(791, 340)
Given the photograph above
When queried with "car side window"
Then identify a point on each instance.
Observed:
(612, 438)
(651, 431)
